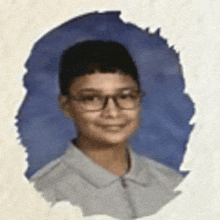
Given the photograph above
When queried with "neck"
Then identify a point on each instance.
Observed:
(112, 157)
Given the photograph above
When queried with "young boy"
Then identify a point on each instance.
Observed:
(101, 92)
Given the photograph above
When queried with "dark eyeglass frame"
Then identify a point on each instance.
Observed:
(141, 94)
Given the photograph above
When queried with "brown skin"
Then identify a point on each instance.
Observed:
(104, 145)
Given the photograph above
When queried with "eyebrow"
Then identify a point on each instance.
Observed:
(100, 91)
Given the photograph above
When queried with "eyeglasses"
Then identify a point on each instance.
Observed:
(126, 99)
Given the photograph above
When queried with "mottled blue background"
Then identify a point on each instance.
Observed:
(166, 112)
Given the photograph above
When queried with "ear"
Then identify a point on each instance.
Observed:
(64, 105)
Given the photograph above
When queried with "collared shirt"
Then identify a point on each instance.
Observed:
(74, 177)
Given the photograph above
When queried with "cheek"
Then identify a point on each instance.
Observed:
(134, 118)
(133, 115)
(84, 119)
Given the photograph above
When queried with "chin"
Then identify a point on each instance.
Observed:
(109, 143)
(114, 141)
(111, 139)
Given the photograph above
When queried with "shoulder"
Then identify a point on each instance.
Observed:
(47, 169)
(162, 173)
(45, 179)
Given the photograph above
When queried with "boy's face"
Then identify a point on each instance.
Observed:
(110, 125)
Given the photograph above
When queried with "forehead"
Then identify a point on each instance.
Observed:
(102, 82)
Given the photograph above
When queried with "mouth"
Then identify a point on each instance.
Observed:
(113, 127)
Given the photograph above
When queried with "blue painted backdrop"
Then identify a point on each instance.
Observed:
(166, 112)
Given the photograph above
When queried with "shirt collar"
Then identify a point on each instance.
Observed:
(98, 176)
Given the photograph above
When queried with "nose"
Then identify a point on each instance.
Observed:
(111, 109)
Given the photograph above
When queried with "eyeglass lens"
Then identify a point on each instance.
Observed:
(94, 102)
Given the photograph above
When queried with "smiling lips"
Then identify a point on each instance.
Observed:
(113, 127)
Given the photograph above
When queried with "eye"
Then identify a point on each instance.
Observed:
(89, 98)
(124, 96)
(128, 96)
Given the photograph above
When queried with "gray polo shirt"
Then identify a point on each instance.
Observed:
(73, 177)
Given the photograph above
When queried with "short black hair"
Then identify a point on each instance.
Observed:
(90, 56)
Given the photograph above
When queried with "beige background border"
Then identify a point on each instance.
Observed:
(192, 26)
